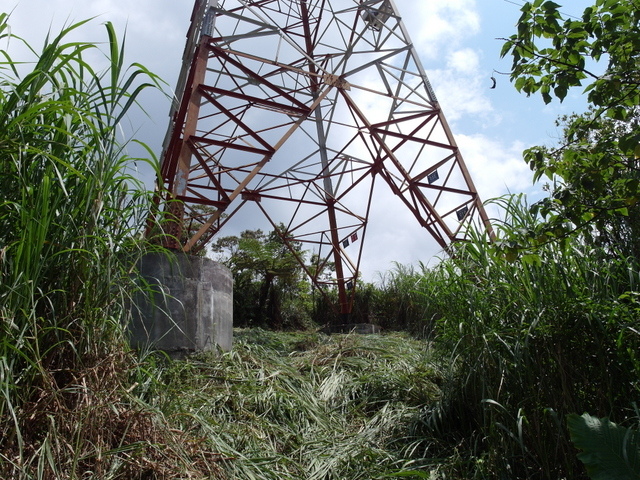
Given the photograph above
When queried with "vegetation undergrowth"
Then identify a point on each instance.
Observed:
(71, 211)
(306, 405)
(532, 340)
(517, 344)
(522, 341)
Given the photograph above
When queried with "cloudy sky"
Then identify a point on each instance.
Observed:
(458, 42)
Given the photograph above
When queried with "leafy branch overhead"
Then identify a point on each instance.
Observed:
(551, 54)
(594, 170)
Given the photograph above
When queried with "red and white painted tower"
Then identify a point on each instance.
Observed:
(303, 110)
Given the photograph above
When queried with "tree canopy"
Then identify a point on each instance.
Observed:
(267, 275)
(594, 170)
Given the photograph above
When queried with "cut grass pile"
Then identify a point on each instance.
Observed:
(307, 405)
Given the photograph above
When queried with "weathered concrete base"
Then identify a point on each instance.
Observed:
(191, 309)
(360, 328)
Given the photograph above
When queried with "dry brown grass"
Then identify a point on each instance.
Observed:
(88, 423)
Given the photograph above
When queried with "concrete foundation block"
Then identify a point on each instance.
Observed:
(190, 309)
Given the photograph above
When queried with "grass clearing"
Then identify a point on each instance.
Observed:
(306, 405)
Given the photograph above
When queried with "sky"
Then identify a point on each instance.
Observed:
(459, 43)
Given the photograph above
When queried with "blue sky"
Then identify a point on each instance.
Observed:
(457, 41)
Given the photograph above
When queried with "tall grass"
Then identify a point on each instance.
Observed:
(70, 217)
(394, 303)
(399, 304)
(531, 341)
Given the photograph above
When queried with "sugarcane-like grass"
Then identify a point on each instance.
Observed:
(531, 340)
(70, 220)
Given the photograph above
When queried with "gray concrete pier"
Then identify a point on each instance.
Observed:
(190, 309)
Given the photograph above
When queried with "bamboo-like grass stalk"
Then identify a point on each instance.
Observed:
(530, 340)
(71, 216)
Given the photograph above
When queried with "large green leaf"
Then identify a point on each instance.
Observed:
(609, 451)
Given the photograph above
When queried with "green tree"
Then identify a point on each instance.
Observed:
(270, 285)
(594, 171)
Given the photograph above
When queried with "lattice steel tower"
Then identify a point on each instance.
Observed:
(296, 109)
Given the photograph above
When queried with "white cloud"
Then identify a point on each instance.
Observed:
(394, 235)
(437, 25)
(496, 166)
(462, 96)
(441, 33)
(464, 61)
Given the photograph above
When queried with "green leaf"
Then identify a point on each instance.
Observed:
(617, 113)
(550, 6)
(560, 91)
(520, 82)
(609, 451)
(623, 211)
(511, 256)
(544, 91)
(588, 216)
(532, 259)
(505, 49)
(408, 473)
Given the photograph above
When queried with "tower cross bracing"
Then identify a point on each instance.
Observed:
(302, 111)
